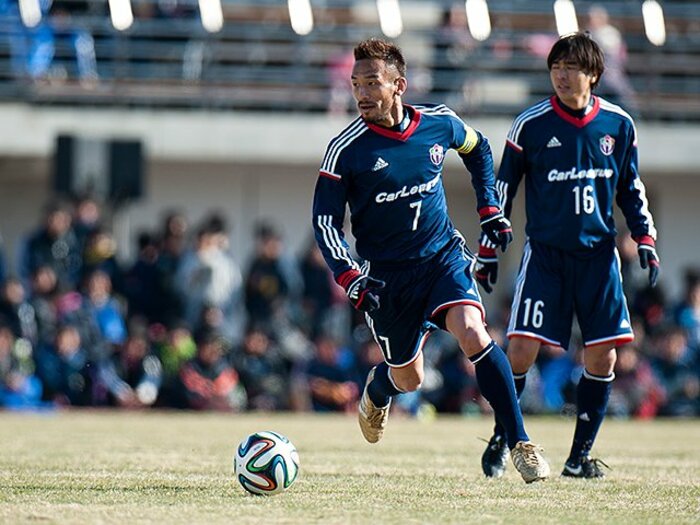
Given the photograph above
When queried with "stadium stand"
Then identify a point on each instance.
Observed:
(257, 62)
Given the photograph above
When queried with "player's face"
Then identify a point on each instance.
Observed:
(377, 90)
(571, 84)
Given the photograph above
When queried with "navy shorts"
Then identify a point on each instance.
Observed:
(416, 298)
(553, 284)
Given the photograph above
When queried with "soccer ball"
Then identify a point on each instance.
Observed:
(266, 463)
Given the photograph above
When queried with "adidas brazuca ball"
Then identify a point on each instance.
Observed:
(266, 463)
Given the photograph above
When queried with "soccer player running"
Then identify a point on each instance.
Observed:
(417, 272)
(576, 151)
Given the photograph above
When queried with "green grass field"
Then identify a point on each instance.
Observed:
(104, 467)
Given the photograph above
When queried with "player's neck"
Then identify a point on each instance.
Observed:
(579, 108)
(395, 118)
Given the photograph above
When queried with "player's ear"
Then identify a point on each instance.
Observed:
(401, 86)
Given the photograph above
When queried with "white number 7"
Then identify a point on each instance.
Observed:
(417, 206)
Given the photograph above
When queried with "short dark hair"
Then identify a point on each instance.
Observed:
(582, 49)
(375, 48)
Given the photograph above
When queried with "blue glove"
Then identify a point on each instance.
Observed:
(648, 258)
(496, 227)
(361, 289)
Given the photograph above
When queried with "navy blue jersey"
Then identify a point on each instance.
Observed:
(573, 169)
(392, 183)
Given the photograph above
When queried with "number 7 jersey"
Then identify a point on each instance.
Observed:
(392, 182)
(573, 169)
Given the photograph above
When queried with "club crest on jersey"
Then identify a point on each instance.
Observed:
(607, 145)
(437, 154)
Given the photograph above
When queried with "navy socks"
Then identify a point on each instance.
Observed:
(494, 376)
(382, 388)
(592, 396)
(519, 380)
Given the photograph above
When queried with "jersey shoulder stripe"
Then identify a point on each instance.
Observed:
(471, 138)
(439, 109)
(614, 108)
(356, 128)
(529, 114)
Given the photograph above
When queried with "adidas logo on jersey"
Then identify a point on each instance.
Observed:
(553, 143)
(381, 163)
(624, 324)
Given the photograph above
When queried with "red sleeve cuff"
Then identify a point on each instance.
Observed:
(488, 210)
(645, 239)
(347, 277)
(485, 251)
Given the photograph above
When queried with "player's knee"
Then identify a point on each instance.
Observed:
(473, 339)
(520, 362)
(408, 381)
(522, 353)
(600, 361)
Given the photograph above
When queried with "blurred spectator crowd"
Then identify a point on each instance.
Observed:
(183, 326)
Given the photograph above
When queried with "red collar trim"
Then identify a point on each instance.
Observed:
(398, 135)
(578, 122)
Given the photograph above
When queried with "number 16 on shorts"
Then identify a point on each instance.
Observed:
(533, 314)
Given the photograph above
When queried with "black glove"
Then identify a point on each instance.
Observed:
(496, 227)
(486, 268)
(360, 290)
(648, 258)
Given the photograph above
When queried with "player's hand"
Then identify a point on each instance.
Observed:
(486, 268)
(648, 258)
(496, 227)
(361, 290)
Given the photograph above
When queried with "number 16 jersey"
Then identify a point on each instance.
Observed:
(574, 168)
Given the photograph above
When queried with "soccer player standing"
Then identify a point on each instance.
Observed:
(417, 272)
(576, 152)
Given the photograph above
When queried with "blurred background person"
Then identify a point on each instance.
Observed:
(324, 304)
(636, 391)
(687, 313)
(453, 47)
(106, 311)
(44, 293)
(331, 377)
(132, 376)
(271, 281)
(676, 374)
(175, 347)
(16, 312)
(263, 371)
(65, 370)
(209, 382)
(19, 386)
(614, 84)
(55, 244)
(208, 276)
(100, 253)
